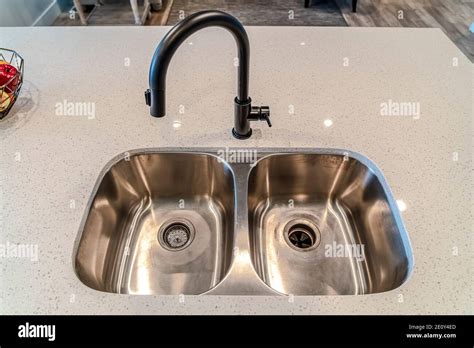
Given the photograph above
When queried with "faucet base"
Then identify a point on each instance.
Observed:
(240, 136)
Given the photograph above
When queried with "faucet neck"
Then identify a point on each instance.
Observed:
(244, 112)
(177, 35)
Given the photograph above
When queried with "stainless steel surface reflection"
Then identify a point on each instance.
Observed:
(198, 221)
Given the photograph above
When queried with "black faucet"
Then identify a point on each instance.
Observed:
(244, 112)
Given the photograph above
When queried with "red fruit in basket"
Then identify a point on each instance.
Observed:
(9, 77)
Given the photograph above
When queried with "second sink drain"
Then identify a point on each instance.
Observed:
(176, 234)
(302, 234)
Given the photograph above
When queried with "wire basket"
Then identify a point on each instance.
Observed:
(11, 79)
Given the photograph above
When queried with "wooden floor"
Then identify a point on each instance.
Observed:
(452, 16)
(274, 12)
(250, 12)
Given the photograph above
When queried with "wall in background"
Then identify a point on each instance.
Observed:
(28, 12)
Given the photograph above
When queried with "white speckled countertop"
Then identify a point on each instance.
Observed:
(49, 163)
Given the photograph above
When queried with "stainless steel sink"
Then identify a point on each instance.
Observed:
(159, 223)
(242, 222)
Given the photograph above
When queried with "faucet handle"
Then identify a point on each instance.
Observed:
(260, 113)
(265, 115)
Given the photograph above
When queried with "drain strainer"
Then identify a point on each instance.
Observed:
(176, 234)
(302, 234)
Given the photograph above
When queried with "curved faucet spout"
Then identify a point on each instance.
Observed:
(156, 95)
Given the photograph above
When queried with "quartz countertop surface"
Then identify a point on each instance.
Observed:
(50, 160)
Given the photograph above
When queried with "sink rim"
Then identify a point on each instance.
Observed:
(262, 153)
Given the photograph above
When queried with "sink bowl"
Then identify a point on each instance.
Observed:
(159, 223)
(323, 224)
(242, 222)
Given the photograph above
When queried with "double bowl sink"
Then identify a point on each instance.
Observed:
(242, 222)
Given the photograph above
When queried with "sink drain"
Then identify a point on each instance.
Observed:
(176, 234)
(302, 235)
